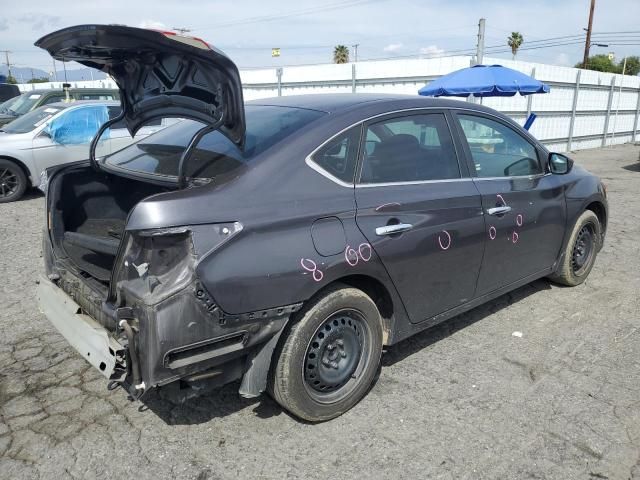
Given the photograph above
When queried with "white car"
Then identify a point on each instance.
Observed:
(55, 134)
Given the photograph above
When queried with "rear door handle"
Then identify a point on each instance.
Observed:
(391, 229)
(499, 210)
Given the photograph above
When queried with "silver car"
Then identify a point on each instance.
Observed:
(55, 134)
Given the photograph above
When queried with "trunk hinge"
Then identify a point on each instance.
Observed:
(186, 155)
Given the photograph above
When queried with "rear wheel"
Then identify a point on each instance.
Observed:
(330, 356)
(581, 251)
(13, 181)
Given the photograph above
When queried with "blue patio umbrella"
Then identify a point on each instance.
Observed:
(484, 81)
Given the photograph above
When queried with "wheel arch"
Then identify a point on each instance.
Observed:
(22, 166)
(378, 292)
(600, 210)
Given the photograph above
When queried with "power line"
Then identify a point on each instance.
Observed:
(269, 18)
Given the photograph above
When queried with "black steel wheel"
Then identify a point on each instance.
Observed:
(13, 181)
(583, 249)
(334, 357)
(580, 254)
(329, 356)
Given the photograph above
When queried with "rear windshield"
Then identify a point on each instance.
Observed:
(32, 120)
(25, 102)
(215, 155)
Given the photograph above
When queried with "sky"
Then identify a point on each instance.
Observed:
(306, 31)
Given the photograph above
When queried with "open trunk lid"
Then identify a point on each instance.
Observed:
(160, 74)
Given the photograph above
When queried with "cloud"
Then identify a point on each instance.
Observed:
(40, 21)
(4, 25)
(393, 47)
(155, 24)
(431, 51)
(563, 59)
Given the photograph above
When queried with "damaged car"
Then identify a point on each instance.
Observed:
(282, 243)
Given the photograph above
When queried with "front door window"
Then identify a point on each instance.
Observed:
(497, 150)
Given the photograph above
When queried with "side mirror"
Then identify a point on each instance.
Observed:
(559, 164)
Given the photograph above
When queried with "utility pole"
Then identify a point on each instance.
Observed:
(480, 45)
(55, 73)
(6, 56)
(355, 51)
(588, 39)
(182, 30)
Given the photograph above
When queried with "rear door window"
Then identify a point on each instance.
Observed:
(339, 156)
(410, 148)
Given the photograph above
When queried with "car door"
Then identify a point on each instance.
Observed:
(524, 207)
(420, 211)
(67, 136)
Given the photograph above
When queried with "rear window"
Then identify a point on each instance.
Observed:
(159, 154)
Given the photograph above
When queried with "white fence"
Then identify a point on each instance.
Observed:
(584, 109)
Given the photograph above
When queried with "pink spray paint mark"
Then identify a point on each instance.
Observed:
(448, 242)
(365, 252)
(515, 237)
(519, 219)
(492, 232)
(499, 197)
(311, 266)
(351, 256)
(385, 205)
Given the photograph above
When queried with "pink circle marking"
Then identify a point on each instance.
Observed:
(515, 237)
(443, 247)
(492, 232)
(311, 266)
(305, 262)
(519, 219)
(317, 275)
(351, 256)
(367, 247)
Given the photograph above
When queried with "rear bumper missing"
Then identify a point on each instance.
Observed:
(83, 333)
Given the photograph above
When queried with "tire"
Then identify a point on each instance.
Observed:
(330, 356)
(580, 253)
(13, 181)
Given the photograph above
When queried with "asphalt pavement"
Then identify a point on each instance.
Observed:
(542, 383)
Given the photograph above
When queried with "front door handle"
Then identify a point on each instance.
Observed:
(499, 210)
(394, 228)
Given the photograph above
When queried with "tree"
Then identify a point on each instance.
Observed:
(11, 79)
(39, 80)
(601, 63)
(340, 54)
(514, 41)
(633, 65)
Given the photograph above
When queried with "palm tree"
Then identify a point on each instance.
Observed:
(340, 54)
(514, 41)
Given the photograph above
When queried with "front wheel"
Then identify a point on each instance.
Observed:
(330, 356)
(13, 181)
(581, 251)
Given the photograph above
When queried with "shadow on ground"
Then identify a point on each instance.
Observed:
(633, 167)
(185, 406)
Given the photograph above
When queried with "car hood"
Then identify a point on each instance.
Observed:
(4, 119)
(160, 74)
(20, 141)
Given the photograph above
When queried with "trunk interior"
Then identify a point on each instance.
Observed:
(89, 213)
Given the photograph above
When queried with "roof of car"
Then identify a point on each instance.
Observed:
(335, 102)
(43, 91)
(75, 103)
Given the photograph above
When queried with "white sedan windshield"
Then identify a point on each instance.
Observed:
(32, 120)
